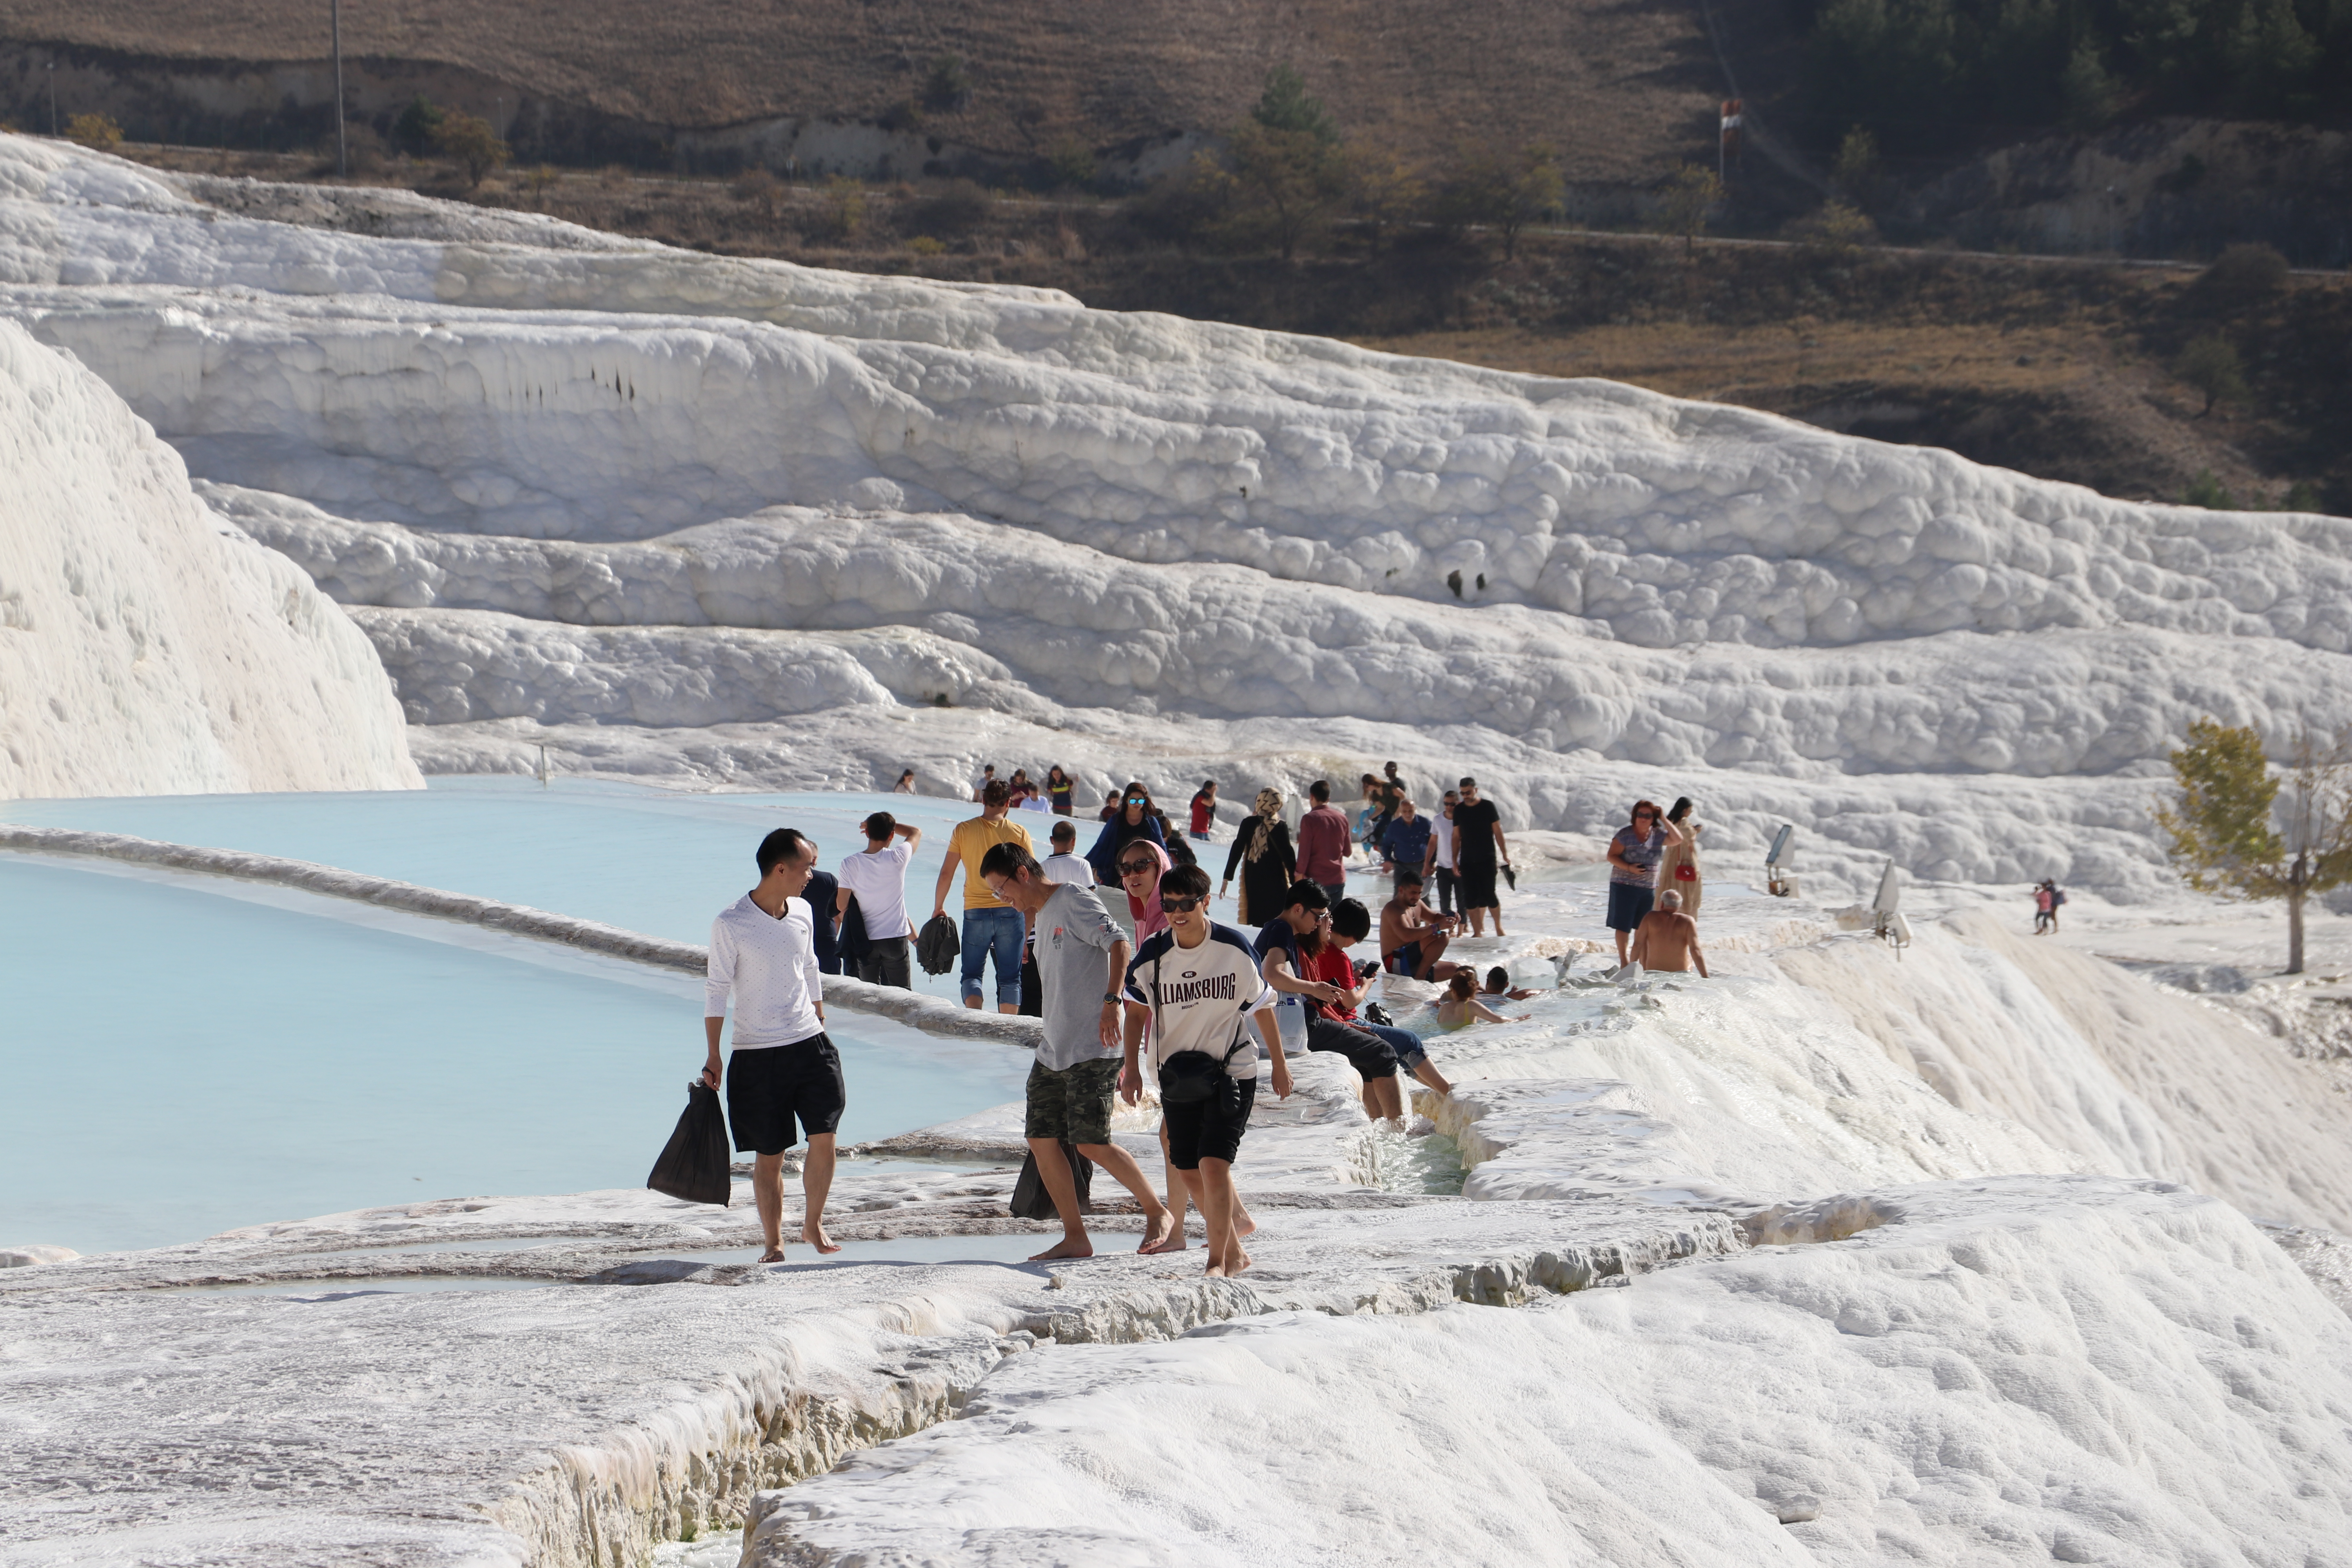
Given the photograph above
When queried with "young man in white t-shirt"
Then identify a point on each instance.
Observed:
(1066, 864)
(1198, 986)
(782, 1069)
(1437, 862)
(876, 877)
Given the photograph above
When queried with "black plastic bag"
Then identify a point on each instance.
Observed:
(1030, 1198)
(937, 947)
(694, 1163)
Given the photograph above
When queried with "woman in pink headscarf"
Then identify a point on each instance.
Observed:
(1140, 866)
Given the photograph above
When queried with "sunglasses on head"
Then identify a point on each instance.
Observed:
(1180, 906)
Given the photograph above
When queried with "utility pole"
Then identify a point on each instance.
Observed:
(335, 21)
(53, 98)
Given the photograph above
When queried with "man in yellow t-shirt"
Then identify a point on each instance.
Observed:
(989, 924)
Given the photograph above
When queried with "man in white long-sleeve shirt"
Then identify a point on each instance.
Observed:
(783, 1069)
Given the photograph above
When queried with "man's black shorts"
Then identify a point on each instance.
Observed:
(1370, 1055)
(1210, 1129)
(769, 1086)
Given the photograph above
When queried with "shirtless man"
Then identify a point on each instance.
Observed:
(1412, 935)
(1667, 939)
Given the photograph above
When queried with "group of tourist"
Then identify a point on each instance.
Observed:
(1181, 995)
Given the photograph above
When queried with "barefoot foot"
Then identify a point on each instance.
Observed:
(1162, 1236)
(1069, 1247)
(820, 1240)
(773, 1254)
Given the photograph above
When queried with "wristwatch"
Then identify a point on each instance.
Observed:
(1111, 995)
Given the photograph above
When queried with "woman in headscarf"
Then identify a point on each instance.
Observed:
(1140, 866)
(1269, 863)
(1133, 820)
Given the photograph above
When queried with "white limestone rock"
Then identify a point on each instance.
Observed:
(145, 646)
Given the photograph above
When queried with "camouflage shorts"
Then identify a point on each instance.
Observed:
(1073, 1103)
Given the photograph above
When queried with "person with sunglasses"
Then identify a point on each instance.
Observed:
(1633, 853)
(1135, 819)
(1479, 851)
(1081, 955)
(1197, 987)
(1139, 871)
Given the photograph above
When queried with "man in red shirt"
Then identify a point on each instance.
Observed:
(1323, 841)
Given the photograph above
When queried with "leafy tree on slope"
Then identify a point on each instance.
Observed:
(2233, 836)
(1285, 105)
(469, 139)
(2210, 366)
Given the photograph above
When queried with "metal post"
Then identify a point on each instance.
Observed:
(335, 21)
(53, 98)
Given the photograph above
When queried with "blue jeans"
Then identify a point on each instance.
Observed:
(997, 932)
(1404, 1042)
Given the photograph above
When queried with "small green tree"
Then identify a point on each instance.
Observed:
(1684, 202)
(1073, 163)
(2233, 836)
(468, 139)
(1281, 185)
(760, 190)
(94, 131)
(1388, 190)
(948, 85)
(1504, 190)
(845, 208)
(1834, 229)
(2086, 90)
(1856, 169)
(2207, 491)
(2245, 274)
(412, 132)
(1532, 191)
(2210, 364)
(1285, 105)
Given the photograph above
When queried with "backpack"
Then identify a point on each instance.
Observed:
(937, 946)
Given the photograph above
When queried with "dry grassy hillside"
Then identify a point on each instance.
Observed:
(1623, 89)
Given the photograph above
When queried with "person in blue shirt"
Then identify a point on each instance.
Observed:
(1404, 842)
